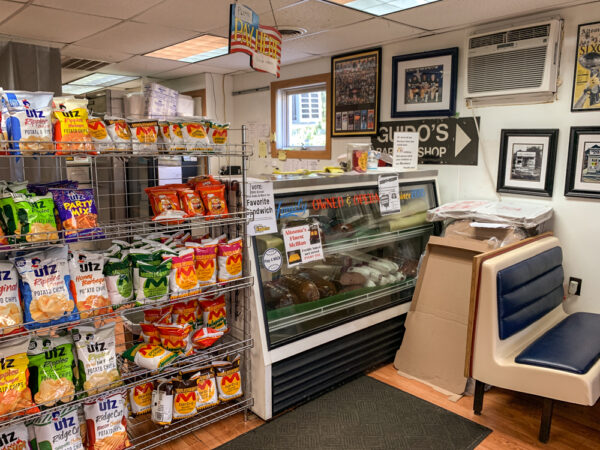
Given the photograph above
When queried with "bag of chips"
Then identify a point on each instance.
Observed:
(229, 256)
(182, 279)
(184, 400)
(58, 430)
(51, 363)
(36, 217)
(195, 135)
(140, 398)
(213, 198)
(148, 356)
(149, 333)
(15, 396)
(165, 205)
(18, 187)
(158, 315)
(164, 135)
(119, 280)
(175, 338)
(10, 219)
(43, 188)
(11, 314)
(205, 337)
(185, 312)
(87, 283)
(205, 256)
(144, 135)
(218, 133)
(214, 313)
(96, 352)
(119, 133)
(14, 437)
(162, 403)
(106, 417)
(78, 213)
(152, 282)
(29, 121)
(177, 143)
(191, 202)
(100, 138)
(206, 385)
(45, 290)
(71, 130)
(229, 379)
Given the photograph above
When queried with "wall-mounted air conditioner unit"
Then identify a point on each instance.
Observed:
(514, 65)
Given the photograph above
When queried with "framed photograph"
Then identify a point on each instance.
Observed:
(586, 79)
(583, 165)
(356, 83)
(527, 159)
(424, 84)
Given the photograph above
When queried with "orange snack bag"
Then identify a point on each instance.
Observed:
(14, 378)
(213, 198)
(149, 333)
(214, 313)
(165, 205)
(158, 315)
(191, 202)
(70, 126)
(185, 312)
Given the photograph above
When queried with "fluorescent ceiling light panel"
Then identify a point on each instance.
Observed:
(78, 90)
(102, 80)
(194, 50)
(382, 7)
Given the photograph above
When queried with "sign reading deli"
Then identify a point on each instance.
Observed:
(262, 43)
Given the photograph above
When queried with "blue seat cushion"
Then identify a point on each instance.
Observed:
(573, 345)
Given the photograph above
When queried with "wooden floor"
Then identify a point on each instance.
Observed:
(513, 417)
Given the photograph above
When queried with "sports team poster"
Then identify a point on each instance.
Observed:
(586, 81)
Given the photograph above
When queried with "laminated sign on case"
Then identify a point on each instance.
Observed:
(261, 203)
(302, 244)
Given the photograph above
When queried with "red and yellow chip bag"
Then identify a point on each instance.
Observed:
(158, 315)
(205, 257)
(140, 398)
(214, 313)
(184, 401)
(165, 205)
(205, 337)
(191, 202)
(175, 338)
(149, 333)
(213, 198)
(185, 312)
(144, 136)
(229, 257)
(182, 279)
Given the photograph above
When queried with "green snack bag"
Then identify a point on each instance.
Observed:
(10, 218)
(36, 217)
(152, 282)
(51, 364)
(18, 187)
(119, 280)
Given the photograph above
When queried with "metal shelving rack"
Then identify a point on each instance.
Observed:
(118, 179)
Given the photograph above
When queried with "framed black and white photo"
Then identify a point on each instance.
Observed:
(527, 159)
(583, 165)
(424, 84)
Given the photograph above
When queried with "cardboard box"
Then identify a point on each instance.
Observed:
(434, 345)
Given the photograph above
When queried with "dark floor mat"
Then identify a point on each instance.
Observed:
(364, 414)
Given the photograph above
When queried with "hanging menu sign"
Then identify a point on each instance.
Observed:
(302, 244)
(389, 194)
(261, 42)
(261, 203)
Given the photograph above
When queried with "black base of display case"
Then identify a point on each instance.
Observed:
(307, 375)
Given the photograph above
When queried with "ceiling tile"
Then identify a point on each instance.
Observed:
(291, 56)
(32, 41)
(8, 8)
(143, 65)
(54, 25)
(455, 13)
(361, 35)
(105, 54)
(190, 69)
(132, 37)
(108, 8)
(69, 75)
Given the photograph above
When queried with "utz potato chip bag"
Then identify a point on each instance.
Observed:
(206, 385)
(11, 314)
(213, 198)
(149, 356)
(14, 437)
(45, 288)
(70, 126)
(10, 219)
(152, 282)
(195, 135)
(106, 417)
(140, 398)
(182, 279)
(87, 283)
(184, 400)
(119, 133)
(51, 364)
(144, 135)
(58, 430)
(29, 121)
(36, 217)
(229, 379)
(100, 138)
(78, 213)
(119, 280)
(218, 133)
(96, 353)
(15, 394)
(214, 313)
(229, 256)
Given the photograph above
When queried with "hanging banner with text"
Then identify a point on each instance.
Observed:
(262, 43)
(260, 201)
(441, 141)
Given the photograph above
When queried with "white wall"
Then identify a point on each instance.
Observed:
(575, 220)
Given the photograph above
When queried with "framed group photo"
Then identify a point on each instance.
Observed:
(586, 79)
(527, 160)
(583, 164)
(356, 85)
(424, 84)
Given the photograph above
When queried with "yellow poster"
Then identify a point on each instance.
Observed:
(586, 85)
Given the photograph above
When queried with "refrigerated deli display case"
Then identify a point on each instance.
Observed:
(318, 323)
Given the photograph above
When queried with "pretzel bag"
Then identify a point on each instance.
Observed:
(15, 394)
(106, 418)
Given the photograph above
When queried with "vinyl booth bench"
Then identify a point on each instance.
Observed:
(521, 339)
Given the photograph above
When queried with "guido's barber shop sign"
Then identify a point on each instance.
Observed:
(441, 141)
